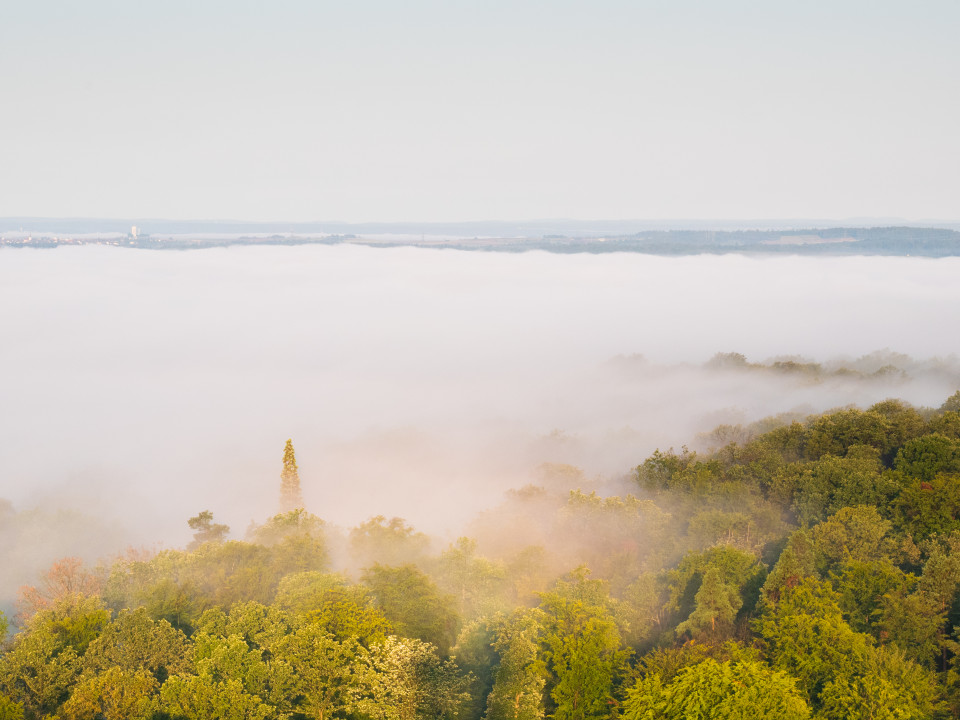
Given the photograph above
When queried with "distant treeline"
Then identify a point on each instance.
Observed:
(878, 365)
(501, 237)
(809, 568)
(927, 242)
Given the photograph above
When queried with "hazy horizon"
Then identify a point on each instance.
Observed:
(122, 224)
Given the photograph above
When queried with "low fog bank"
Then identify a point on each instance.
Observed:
(139, 388)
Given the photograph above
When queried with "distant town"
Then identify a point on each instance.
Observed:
(557, 236)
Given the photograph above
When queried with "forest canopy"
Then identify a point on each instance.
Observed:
(803, 567)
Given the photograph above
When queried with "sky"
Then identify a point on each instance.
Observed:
(452, 111)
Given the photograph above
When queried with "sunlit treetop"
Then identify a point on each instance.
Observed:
(290, 495)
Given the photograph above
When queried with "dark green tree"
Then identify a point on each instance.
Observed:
(863, 585)
(796, 562)
(925, 457)
(852, 533)
(414, 605)
(946, 424)
(913, 622)
(715, 609)
(833, 434)
(924, 509)
(740, 573)
(476, 656)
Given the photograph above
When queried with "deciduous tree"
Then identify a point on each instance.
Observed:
(411, 682)
(113, 694)
(583, 648)
(715, 609)
(134, 642)
(414, 605)
(712, 690)
(519, 678)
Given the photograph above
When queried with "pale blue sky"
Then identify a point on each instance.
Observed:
(366, 111)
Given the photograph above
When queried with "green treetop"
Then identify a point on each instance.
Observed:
(290, 496)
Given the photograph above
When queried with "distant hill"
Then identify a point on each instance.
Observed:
(927, 242)
(563, 236)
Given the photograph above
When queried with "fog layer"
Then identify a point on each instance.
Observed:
(142, 387)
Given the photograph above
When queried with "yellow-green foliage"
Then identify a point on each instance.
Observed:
(806, 568)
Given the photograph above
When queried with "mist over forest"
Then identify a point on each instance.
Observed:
(479, 361)
(140, 388)
(581, 487)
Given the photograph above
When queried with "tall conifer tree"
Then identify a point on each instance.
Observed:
(290, 496)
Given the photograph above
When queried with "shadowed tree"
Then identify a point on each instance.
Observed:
(716, 608)
(796, 562)
(925, 457)
(290, 496)
(414, 605)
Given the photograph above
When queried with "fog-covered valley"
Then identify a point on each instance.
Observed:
(479, 361)
(139, 388)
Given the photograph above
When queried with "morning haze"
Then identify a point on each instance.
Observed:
(389, 393)
(142, 387)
